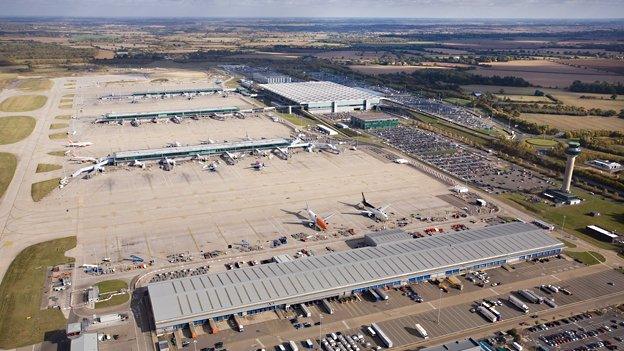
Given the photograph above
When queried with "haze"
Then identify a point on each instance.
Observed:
(318, 8)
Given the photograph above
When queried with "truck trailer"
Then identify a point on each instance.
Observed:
(519, 304)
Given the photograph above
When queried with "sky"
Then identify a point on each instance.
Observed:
(318, 8)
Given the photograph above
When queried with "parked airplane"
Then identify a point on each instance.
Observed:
(207, 141)
(137, 163)
(78, 143)
(316, 221)
(174, 144)
(211, 166)
(135, 122)
(378, 213)
(258, 165)
(84, 159)
(176, 120)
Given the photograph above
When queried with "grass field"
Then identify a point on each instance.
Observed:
(15, 128)
(566, 122)
(23, 103)
(47, 167)
(113, 301)
(458, 101)
(586, 257)
(58, 125)
(297, 120)
(22, 322)
(58, 136)
(524, 98)
(577, 217)
(112, 286)
(63, 117)
(59, 153)
(6, 79)
(39, 190)
(542, 142)
(567, 243)
(9, 163)
(65, 106)
(34, 84)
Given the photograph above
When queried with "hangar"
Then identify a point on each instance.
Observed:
(397, 261)
(322, 97)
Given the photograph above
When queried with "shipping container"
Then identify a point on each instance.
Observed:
(384, 339)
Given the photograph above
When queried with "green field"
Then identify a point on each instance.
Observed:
(59, 153)
(109, 286)
(9, 163)
(113, 301)
(58, 125)
(112, 286)
(15, 128)
(458, 101)
(35, 84)
(23, 322)
(39, 190)
(58, 136)
(297, 120)
(47, 167)
(23, 103)
(586, 257)
(541, 142)
(567, 243)
(63, 117)
(577, 216)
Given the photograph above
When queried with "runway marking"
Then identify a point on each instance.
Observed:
(193, 237)
(557, 278)
(432, 306)
(345, 324)
(494, 291)
(260, 343)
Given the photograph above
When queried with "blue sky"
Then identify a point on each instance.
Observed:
(318, 8)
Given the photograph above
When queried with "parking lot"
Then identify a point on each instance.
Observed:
(465, 163)
(581, 332)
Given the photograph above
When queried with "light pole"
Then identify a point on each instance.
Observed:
(320, 329)
(439, 303)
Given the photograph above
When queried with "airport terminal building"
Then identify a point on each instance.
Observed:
(321, 97)
(394, 261)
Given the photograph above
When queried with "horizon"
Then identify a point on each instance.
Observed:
(357, 9)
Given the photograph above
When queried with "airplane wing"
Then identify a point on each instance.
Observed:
(384, 208)
(329, 216)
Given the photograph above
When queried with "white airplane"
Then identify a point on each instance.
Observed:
(315, 221)
(84, 159)
(176, 120)
(71, 143)
(137, 163)
(207, 141)
(174, 144)
(212, 167)
(258, 165)
(135, 122)
(371, 211)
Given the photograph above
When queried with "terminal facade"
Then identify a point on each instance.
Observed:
(395, 261)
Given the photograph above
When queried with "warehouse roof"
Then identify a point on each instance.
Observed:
(386, 237)
(239, 290)
(308, 92)
(85, 342)
(201, 149)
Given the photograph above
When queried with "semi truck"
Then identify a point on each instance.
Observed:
(382, 294)
(212, 325)
(384, 338)
(327, 306)
(519, 304)
(304, 309)
(374, 295)
(483, 311)
(237, 324)
(455, 283)
(530, 296)
(292, 346)
(423, 333)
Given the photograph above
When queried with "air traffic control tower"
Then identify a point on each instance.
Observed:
(573, 150)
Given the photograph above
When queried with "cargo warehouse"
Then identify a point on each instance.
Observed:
(398, 261)
(321, 97)
(374, 121)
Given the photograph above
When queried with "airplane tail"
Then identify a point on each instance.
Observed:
(364, 202)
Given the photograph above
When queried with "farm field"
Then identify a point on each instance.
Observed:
(546, 73)
(604, 64)
(23, 103)
(524, 98)
(387, 69)
(566, 122)
(602, 101)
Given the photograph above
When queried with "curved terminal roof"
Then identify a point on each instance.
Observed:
(240, 290)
